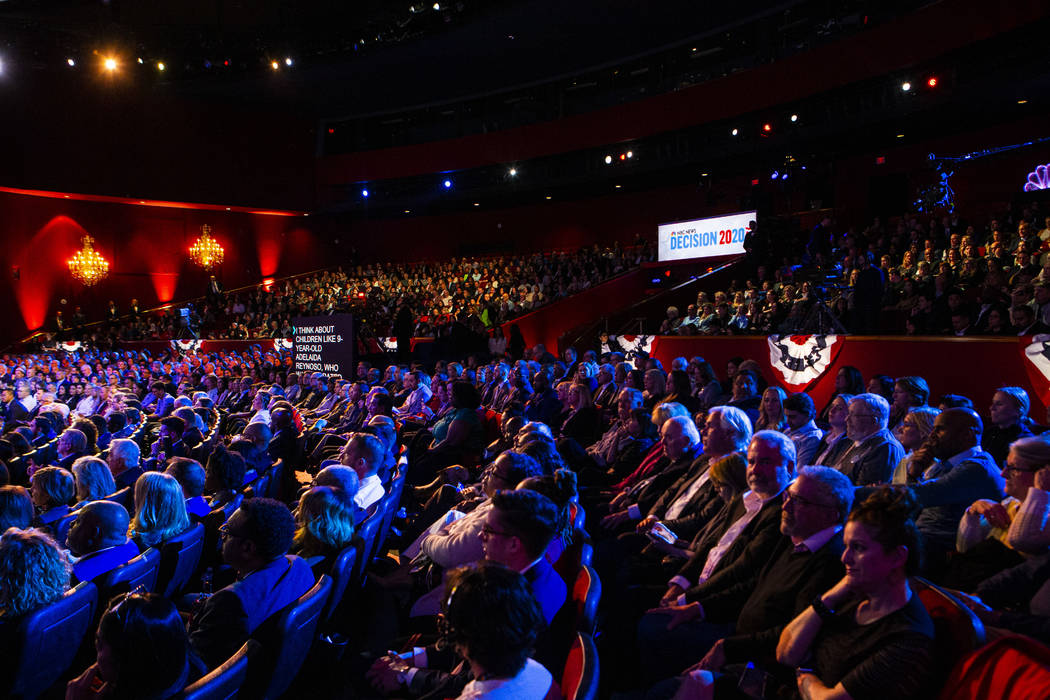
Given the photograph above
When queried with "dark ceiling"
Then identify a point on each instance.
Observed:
(364, 56)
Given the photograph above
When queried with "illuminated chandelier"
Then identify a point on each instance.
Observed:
(87, 265)
(206, 251)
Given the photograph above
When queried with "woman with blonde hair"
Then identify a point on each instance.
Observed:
(771, 410)
(160, 511)
(911, 433)
(325, 525)
(93, 480)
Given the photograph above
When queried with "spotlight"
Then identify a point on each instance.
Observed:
(794, 117)
(70, 62)
(932, 82)
(110, 64)
(767, 127)
(364, 193)
(140, 60)
(447, 184)
(784, 176)
(608, 160)
(905, 86)
(775, 175)
(275, 65)
(617, 186)
(161, 66)
(288, 61)
(735, 132)
(630, 154)
(437, 5)
(512, 172)
(900, 136)
(547, 197)
(623, 156)
(477, 204)
(1022, 102)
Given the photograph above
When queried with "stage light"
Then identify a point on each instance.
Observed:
(512, 172)
(288, 61)
(447, 184)
(437, 5)
(784, 176)
(477, 204)
(140, 60)
(932, 82)
(794, 117)
(275, 65)
(70, 62)
(161, 66)
(900, 136)
(630, 154)
(608, 160)
(364, 193)
(408, 211)
(547, 197)
(110, 64)
(775, 175)
(735, 132)
(1022, 102)
(767, 127)
(226, 62)
(617, 186)
(905, 86)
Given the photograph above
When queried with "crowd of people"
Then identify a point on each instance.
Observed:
(419, 299)
(739, 531)
(938, 277)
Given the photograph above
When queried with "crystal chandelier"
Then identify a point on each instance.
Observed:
(87, 265)
(206, 251)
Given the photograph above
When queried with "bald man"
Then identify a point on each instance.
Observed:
(948, 473)
(99, 540)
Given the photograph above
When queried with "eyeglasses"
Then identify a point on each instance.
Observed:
(489, 532)
(795, 498)
(120, 610)
(1007, 469)
(226, 533)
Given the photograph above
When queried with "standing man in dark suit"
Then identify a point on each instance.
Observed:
(255, 542)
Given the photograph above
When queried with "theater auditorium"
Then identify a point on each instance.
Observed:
(524, 350)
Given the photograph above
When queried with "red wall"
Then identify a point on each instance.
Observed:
(147, 248)
(973, 367)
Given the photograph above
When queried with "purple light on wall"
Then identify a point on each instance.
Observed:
(1038, 179)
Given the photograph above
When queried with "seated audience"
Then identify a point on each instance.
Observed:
(874, 452)
(325, 526)
(1008, 416)
(364, 454)
(191, 477)
(16, 508)
(799, 414)
(224, 477)
(124, 462)
(52, 492)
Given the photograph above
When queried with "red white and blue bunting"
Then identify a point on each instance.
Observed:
(801, 359)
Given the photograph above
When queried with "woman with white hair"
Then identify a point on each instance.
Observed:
(92, 479)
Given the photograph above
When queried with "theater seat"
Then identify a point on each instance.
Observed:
(367, 532)
(125, 497)
(957, 630)
(586, 593)
(1010, 668)
(62, 527)
(140, 572)
(342, 572)
(179, 558)
(46, 642)
(224, 682)
(579, 679)
(578, 553)
(286, 639)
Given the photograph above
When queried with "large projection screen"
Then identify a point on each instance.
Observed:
(704, 238)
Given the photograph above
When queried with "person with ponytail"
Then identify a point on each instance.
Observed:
(560, 488)
(867, 636)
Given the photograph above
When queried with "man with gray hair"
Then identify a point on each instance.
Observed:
(681, 448)
(875, 452)
(692, 500)
(747, 605)
(123, 460)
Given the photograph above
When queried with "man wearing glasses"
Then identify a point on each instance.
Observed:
(875, 452)
(255, 542)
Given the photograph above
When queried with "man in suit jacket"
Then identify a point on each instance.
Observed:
(123, 460)
(875, 452)
(682, 446)
(749, 603)
(98, 538)
(255, 542)
(948, 473)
